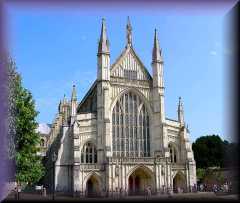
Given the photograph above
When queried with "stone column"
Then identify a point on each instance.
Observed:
(133, 183)
(187, 177)
(157, 177)
(192, 173)
(160, 177)
(76, 180)
(165, 176)
(170, 176)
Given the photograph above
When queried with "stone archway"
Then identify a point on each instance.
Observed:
(179, 182)
(92, 186)
(138, 181)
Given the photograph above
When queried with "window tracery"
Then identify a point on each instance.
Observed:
(89, 153)
(130, 127)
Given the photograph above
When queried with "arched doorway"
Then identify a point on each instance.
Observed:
(93, 187)
(138, 181)
(179, 182)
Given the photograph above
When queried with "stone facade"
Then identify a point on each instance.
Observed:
(43, 130)
(118, 137)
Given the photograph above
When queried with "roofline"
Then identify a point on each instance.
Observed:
(87, 94)
(134, 52)
(172, 120)
(111, 67)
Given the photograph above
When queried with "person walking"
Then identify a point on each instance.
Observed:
(116, 193)
(106, 195)
(18, 191)
(121, 192)
(163, 189)
(146, 193)
(149, 192)
(169, 192)
(44, 192)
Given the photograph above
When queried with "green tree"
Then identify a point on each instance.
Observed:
(209, 151)
(201, 173)
(29, 168)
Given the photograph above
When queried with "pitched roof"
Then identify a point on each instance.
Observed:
(88, 93)
(124, 52)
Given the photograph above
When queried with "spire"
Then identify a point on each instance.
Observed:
(60, 106)
(129, 32)
(188, 131)
(180, 111)
(180, 104)
(103, 45)
(64, 99)
(73, 103)
(157, 52)
(74, 93)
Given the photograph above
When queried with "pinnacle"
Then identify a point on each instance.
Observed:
(157, 52)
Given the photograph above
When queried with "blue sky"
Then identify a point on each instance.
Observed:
(55, 48)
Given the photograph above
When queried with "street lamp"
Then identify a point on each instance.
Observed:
(54, 158)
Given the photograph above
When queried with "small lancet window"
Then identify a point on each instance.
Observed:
(173, 153)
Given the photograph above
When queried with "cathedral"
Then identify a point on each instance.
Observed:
(117, 138)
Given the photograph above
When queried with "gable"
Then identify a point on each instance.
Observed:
(129, 66)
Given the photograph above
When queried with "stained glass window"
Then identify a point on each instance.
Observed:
(130, 127)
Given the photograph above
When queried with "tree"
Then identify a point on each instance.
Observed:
(29, 168)
(231, 154)
(211, 151)
(208, 151)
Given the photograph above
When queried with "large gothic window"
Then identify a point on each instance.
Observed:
(89, 153)
(130, 127)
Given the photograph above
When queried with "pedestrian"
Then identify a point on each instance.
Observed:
(215, 188)
(149, 192)
(15, 192)
(226, 187)
(44, 192)
(169, 192)
(18, 192)
(116, 193)
(106, 195)
(121, 192)
(146, 193)
(163, 189)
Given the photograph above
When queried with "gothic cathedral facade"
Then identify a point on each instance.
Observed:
(118, 136)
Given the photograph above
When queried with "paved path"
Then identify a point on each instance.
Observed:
(184, 196)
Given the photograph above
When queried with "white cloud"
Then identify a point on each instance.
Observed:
(214, 53)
